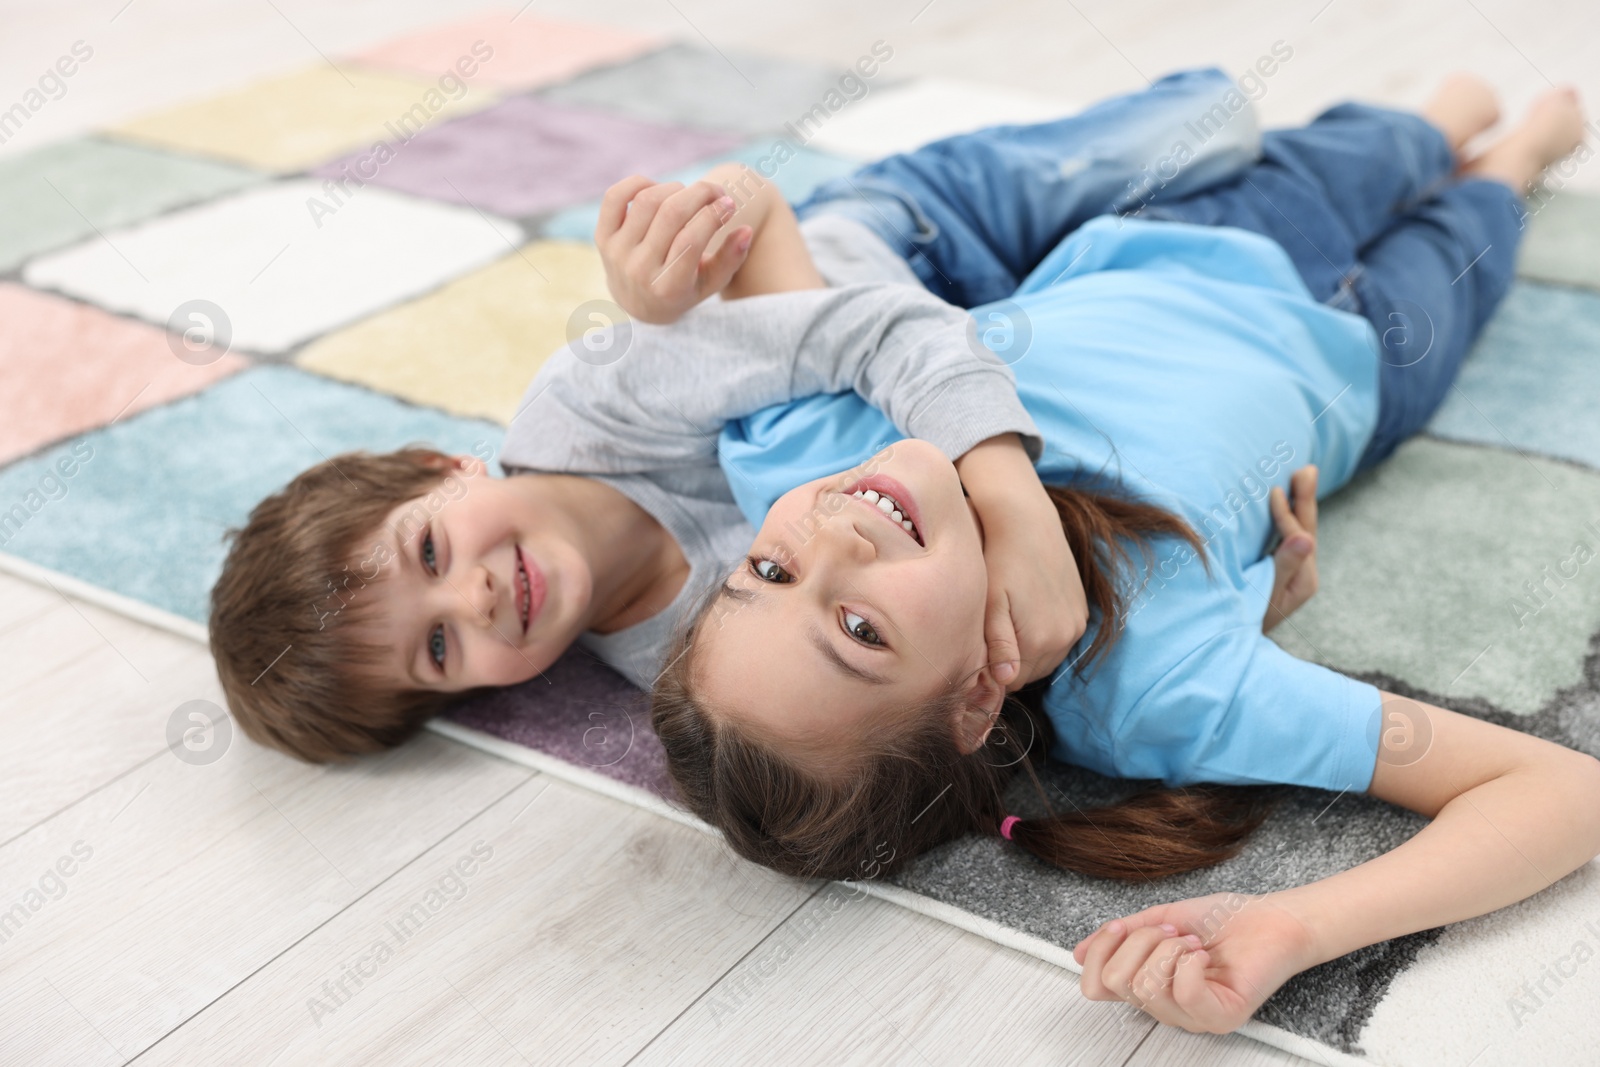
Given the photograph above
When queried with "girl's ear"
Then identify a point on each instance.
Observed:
(472, 465)
(979, 708)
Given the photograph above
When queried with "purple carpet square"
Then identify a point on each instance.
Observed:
(525, 156)
(580, 711)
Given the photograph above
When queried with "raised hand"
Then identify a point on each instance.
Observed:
(653, 240)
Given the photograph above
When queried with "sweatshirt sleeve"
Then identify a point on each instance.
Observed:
(638, 398)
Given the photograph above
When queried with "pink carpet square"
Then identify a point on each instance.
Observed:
(503, 49)
(71, 367)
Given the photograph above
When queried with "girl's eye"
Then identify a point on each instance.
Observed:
(436, 647)
(861, 629)
(767, 570)
(427, 550)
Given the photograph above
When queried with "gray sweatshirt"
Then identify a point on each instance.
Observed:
(642, 410)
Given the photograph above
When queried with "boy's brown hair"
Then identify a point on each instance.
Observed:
(288, 609)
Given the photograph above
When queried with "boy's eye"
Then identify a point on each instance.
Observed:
(861, 629)
(436, 647)
(767, 570)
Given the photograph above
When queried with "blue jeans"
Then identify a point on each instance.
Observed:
(1365, 203)
(1362, 200)
(973, 214)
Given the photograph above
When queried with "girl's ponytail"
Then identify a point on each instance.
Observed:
(1158, 831)
(913, 789)
(1152, 834)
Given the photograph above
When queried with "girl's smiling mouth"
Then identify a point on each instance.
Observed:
(891, 499)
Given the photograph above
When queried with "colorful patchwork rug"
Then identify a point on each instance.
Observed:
(199, 304)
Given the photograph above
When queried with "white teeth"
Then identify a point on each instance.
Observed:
(889, 506)
(527, 595)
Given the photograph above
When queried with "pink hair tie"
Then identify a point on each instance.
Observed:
(1007, 824)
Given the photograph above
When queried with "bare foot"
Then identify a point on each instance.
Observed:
(1552, 130)
(1462, 107)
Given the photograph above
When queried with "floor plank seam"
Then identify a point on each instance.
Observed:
(731, 968)
(108, 783)
(290, 947)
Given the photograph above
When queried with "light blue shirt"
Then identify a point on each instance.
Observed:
(1191, 365)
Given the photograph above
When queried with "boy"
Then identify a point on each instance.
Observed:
(375, 590)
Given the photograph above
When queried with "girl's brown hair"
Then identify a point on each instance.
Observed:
(916, 790)
(288, 608)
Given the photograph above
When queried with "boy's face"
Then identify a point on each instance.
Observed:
(482, 586)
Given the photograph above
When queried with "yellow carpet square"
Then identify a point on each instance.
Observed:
(471, 347)
(294, 122)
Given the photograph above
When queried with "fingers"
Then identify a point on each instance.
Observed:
(1296, 539)
(1192, 995)
(1144, 971)
(1154, 915)
(614, 206)
(642, 212)
(1000, 633)
(688, 246)
(1142, 965)
(1121, 966)
(1304, 484)
(718, 270)
(1282, 515)
(1097, 950)
(1184, 997)
(1101, 944)
(675, 215)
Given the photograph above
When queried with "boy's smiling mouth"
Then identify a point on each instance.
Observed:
(530, 589)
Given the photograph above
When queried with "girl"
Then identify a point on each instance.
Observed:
(834, 709)
(376, 590)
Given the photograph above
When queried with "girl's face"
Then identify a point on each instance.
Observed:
(842, 616)
(483, 586)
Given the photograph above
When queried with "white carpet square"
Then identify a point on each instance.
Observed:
(898, 118)
(281, 269)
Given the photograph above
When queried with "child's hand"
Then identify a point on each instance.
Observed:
(1037, 608)
(1295, 562)
(1251, 946)
(653, 240)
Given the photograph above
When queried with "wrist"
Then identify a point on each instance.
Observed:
(1006, 492)
(995, 467)
(753, 196)
(1321, 940)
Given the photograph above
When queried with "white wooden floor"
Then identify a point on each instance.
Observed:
(439, 905)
